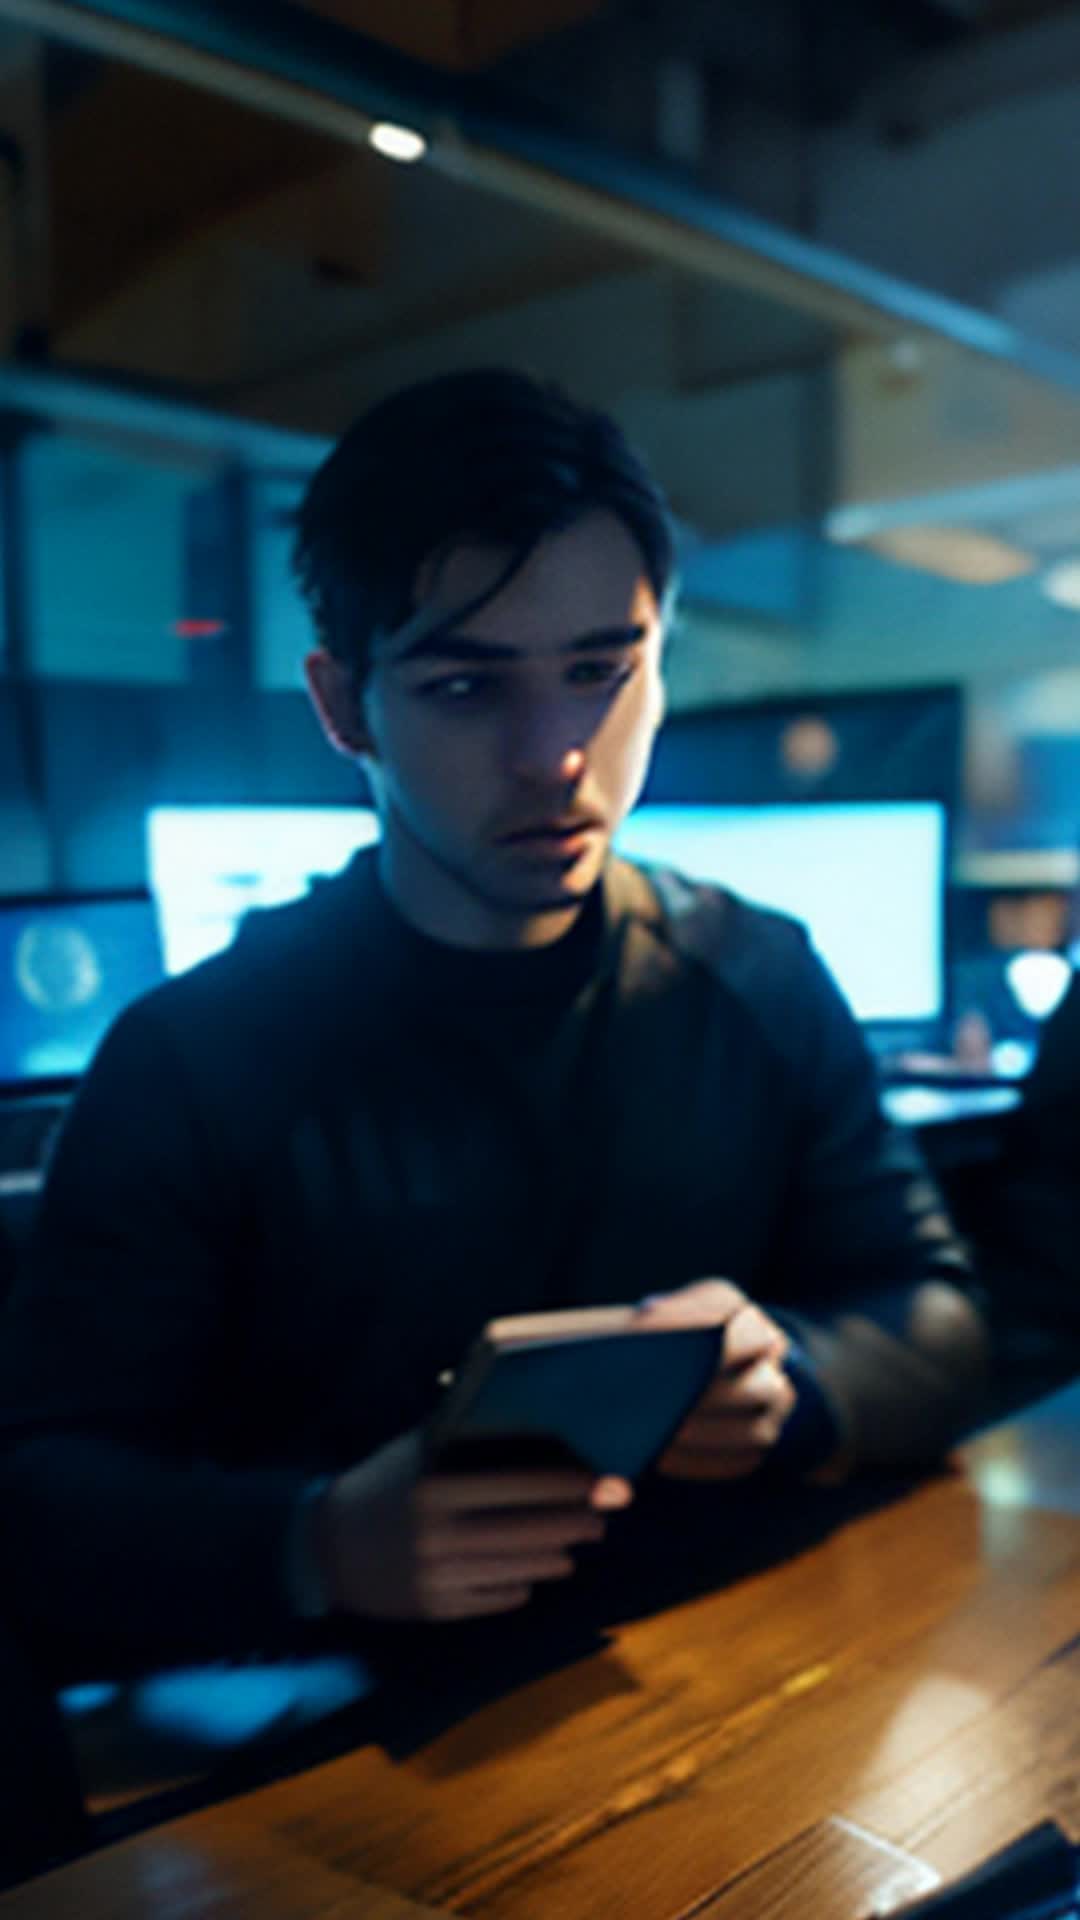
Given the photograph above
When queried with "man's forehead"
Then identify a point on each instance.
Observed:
(590, 577)
(428, 635)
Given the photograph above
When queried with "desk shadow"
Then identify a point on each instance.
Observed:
(678, 1542)
(683, 1539)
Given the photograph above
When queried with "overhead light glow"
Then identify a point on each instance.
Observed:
(963, 554)
(1012, 1059)
(397, 143)
(1061, 584)
(1038, 981)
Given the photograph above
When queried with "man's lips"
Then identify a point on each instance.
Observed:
(551, 832)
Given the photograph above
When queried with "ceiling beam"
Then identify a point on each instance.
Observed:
(250, 54)
(191, 164)
(458, 34)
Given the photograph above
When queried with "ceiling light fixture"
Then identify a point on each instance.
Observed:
(1061, 584)
(397, 143)
(965, 555)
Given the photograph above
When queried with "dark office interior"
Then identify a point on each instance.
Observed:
(820, 260)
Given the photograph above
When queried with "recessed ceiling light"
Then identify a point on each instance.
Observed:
(1061, 584)
(1039, 981)
(963, 554)
(397, 143)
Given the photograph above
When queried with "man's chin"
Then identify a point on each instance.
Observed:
(547, 893)
(526, 905)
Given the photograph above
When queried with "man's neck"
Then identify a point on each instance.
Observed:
(442, 908)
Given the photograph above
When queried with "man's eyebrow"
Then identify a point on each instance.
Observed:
(462, 646)
(603, 637)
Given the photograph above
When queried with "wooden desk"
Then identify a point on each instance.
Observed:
(906, 1685)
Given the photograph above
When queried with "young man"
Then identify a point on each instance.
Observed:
(489, 1068)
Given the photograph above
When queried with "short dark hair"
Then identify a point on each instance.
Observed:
(492, 458)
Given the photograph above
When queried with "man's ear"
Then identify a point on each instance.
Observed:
(333, 692)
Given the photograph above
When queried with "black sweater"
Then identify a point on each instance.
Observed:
(298, 1179)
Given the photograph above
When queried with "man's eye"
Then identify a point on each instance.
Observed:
(456, 689)
(600, 673)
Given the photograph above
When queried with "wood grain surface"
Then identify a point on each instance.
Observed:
(908, 1678)
(834, 1867)
(229, 1874)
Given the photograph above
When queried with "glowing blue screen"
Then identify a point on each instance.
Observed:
(209, 865)
(866, 880)
(67, 968)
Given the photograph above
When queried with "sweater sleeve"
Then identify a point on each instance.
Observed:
(881, 1294)
(117, 1369)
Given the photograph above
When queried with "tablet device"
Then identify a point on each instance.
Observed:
(598, 1387)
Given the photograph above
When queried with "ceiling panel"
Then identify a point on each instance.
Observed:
(454, 33)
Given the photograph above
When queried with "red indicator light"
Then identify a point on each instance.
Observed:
(198, 629)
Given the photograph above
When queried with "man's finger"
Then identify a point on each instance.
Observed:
(508, 1532)
(762, 1385)
(561, 1487)
(475, 1574)
(732, 1434)
(705, 1303)
(681, 1463)
(751, 1335)
(471, 1603)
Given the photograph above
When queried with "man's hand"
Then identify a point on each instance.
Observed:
(395, 1543)
(741, 1414)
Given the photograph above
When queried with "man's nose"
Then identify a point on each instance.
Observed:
(545, 744)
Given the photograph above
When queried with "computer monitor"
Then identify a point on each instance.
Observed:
(868, 882)
(209, 866)
(68, 966)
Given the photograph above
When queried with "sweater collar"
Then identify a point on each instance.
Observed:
(417, 965)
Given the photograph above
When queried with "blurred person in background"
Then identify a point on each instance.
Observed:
(1029, 1222)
